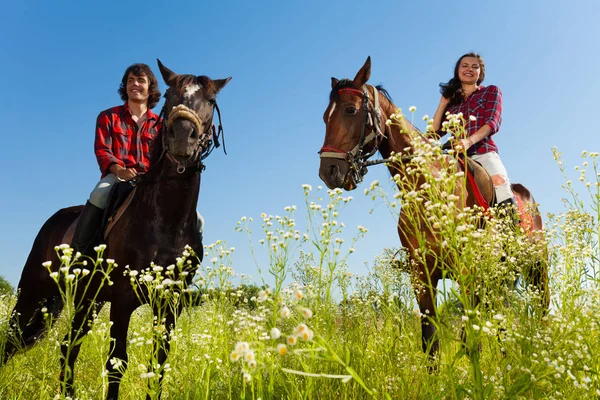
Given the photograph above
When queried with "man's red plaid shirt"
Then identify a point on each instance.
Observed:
(119, 140)
(485, 105)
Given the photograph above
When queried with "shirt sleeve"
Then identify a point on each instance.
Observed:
(493, 108)
(103, 144)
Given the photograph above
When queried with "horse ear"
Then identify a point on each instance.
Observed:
(334, 82)
(220, 83)
(166, 73)
(363, 75)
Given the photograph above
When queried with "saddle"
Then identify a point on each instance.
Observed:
(119, 199)
(485, 195)
(481, 183)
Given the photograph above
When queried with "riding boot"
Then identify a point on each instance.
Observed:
(508, 208)
(87, 226)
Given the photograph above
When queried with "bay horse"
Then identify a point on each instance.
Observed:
(158, 223)
(356, 129)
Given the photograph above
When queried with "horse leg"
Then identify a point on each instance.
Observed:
(28, 323)
(463, 334)
(426, 297)
(162, 345)
(120, 315)
(72, 345)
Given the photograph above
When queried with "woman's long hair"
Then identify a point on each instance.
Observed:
(452, 90)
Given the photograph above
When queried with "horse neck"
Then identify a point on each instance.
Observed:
(169, 194)
(397, 136)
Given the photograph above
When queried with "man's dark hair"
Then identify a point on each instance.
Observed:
(139, 70)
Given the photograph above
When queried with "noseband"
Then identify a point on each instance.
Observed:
(356, 157)
(209, 138)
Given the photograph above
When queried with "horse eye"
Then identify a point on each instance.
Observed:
(350, 111)
(212, 102)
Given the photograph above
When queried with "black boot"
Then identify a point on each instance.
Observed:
(87, 226)
(508, 208)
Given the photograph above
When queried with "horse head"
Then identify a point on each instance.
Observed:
(354, 130)
(190, 102)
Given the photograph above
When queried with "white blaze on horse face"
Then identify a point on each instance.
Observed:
(331, 111)
(190, 90)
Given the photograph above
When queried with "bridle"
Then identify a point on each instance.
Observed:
(357, 157)
(209, 137)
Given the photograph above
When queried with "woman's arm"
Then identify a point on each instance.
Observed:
(438, 117)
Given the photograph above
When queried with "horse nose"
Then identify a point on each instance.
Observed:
(333, 171)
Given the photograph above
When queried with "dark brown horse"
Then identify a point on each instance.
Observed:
(156, 226)
(356, 129)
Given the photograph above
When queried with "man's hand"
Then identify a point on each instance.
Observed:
(123, 173)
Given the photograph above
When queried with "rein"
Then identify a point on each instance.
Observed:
(356, 157)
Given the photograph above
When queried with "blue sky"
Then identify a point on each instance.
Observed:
(62, 62)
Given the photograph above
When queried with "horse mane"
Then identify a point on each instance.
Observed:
(349, 83)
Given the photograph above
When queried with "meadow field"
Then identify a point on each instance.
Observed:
(320, 332)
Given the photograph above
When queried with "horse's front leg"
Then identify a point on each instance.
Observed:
(471, 294)
(72, 344)
(162, 342)
(426, 292)
(120, 315)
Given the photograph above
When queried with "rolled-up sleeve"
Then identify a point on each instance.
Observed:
(103, 144)
(493, 108)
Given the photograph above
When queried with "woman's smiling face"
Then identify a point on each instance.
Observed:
(469, 70)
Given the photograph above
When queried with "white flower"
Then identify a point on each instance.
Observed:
(262, 296)
(285, 312)
(306, 312)
(275, 333)
(412, 109)
(47, 264)
(282, 349)
(472, 118)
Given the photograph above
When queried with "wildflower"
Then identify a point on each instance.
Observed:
(285, 312)
(306, 312)
(298, 295)
(476, 327)
(262, 296)
(249, 356)
(291, 340)
(307, 335)
(247, 377)
(412, 109)
(234, 356)
(252, 363)
(282, 349)
(47, 264)
(307, 187)
(275, 333)
(242, 347)
(54, 275)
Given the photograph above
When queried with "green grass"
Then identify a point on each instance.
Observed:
(356, 337)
